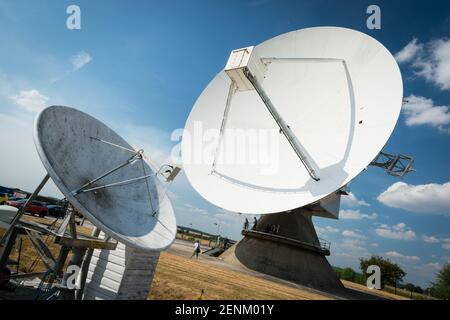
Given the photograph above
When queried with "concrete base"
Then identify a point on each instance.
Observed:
(293, 253)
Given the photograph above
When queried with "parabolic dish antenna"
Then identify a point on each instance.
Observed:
(104, 178)
(305, 113)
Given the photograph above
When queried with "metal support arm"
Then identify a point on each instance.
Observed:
(22, 209)
(290, 136)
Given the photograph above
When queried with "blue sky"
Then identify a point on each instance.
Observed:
(139, 67)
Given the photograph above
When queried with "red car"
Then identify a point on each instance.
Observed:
(35, 207)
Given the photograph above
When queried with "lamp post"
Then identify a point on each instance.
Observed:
(189, 229)
(218, 230)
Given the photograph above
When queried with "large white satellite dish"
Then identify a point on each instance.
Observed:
(317, 106)
(102, 176)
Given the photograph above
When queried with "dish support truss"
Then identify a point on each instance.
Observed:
(54, 280)
(395, 165)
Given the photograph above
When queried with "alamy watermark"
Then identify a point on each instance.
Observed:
(73, 21)
(374, 280)
(374, 20)
(256, 147)
(72, 281)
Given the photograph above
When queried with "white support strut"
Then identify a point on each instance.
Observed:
(284, 127)
(247, 71)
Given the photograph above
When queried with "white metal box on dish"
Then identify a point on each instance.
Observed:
(243, 60)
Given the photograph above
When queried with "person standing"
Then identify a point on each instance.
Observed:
(255, 223)
(196, 249)
(226, 242)
(246, 223)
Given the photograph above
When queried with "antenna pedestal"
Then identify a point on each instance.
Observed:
(285, 245)
(123, 274)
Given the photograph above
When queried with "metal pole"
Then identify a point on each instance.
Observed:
(129, 161)
(231, 91)
(85, 267)
(77, 259)
(59, 265)
(267, 60)
(19, 256)
(72, 226)
(218, 234)
(7, 248)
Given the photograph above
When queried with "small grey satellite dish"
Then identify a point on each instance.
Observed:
(104, 178)
(292, 120)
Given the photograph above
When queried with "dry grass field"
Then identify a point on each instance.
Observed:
(380, 293)
(179, 277)
(182, 278)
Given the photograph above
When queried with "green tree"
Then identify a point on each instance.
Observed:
(347, 274)
(413, 288)
(441, 286)
(391, 273)
(410, 287)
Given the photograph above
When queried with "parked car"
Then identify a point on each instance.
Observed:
(55, 211)
(3, 198)
(16, 203)
(35, 207)
(14, 198)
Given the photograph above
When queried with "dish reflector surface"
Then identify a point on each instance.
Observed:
(339, 90)
(68, 143)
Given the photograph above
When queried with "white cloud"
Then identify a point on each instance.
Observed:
(155, 142)
(21, 167)
(230, 218)
(353, 234)
(351, 248)
(350, 214)
(31, 100)
(421, 274)
(80, 60)
(194, 209)
(398, 256)
(430, 60)
(331, 229)
(430, 239)
(422, 111)
(351, 201)
(77, 61)
(375, 245)
(228, 215)
(409, 52)
(189, 215)
(326, 230)
(434, 65)
(446, 243)
(434, 265)
(396, 232)
(428, 198)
